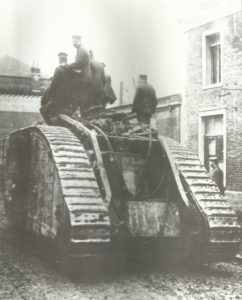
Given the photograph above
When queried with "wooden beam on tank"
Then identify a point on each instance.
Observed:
(78, 127)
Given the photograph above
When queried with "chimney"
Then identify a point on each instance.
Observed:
(62, 58)
(35, 79)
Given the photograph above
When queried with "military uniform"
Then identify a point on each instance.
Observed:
(145, 101)
(57, 99)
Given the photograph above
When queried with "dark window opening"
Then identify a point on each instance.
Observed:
(213, 59)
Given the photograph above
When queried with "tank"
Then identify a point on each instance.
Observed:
(103, 186)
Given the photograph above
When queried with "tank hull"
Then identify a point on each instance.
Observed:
(89, 194)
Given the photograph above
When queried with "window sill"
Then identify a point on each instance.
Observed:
(211, 86)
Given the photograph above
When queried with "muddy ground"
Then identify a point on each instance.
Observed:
(26, 273)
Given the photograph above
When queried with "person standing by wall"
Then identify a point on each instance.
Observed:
(217, 174)
(145, 100)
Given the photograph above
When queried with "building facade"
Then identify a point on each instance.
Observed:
(21, 87)
(212, 103)
(18, 78)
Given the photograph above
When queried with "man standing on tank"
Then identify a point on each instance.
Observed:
(145, 100)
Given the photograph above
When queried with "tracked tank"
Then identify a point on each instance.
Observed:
(95, 188)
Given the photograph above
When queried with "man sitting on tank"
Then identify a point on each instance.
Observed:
(58, 98)
(145, 101)
(55, 99)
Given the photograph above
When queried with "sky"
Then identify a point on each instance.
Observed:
(130, 36)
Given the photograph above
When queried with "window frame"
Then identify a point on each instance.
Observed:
(205, 34)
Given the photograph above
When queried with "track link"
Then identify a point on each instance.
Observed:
(223, 226)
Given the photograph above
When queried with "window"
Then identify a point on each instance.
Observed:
(212, 59)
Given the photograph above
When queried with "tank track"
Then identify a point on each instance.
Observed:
(89, 218)
(223, 234)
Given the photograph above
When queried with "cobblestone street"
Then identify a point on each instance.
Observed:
(26, 275)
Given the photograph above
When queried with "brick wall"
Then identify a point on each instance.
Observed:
(168, 116)
(23, 85)
(229, 95)
(10, 84)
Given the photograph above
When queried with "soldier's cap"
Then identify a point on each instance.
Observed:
(143, 76)
(77, 37)
(213, 158)
(62, 54)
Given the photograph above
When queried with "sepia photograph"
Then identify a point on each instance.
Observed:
(120, 149)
